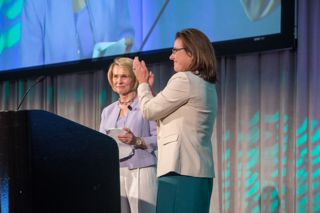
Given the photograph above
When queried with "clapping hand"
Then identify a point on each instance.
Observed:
(141, 71)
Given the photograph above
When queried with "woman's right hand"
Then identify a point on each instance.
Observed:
(140, 70)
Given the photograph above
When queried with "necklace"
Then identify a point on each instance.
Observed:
(124, 106)
(127, 102)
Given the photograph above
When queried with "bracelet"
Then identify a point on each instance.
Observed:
(138, 142)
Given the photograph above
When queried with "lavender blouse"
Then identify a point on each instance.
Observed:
(139, 126)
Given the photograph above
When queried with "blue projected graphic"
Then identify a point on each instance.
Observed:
(10, 33)
(30, 30)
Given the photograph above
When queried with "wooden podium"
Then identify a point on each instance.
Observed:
(51, 164)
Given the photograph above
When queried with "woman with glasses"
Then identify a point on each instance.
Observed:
(186, 110)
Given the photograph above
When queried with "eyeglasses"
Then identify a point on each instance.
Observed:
(175, 50)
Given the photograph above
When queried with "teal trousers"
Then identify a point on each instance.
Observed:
(185, 194)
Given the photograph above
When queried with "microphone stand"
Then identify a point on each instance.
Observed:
(38, 80)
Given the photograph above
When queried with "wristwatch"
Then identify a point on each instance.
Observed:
(138, 142)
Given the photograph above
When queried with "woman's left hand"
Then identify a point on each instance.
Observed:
(151, 79)
(128, 138)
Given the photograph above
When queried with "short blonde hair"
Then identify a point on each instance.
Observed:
(126, 63)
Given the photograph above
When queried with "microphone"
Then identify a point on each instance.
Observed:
(130, 108)
(38, 80)
(153, 25)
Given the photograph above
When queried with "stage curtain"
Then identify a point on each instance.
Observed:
(267, 135)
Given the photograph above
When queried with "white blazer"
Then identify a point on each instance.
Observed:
(186, 111)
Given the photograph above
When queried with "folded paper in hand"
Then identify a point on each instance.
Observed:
(125, 150)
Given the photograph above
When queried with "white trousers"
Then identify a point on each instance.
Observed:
(138, 190)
